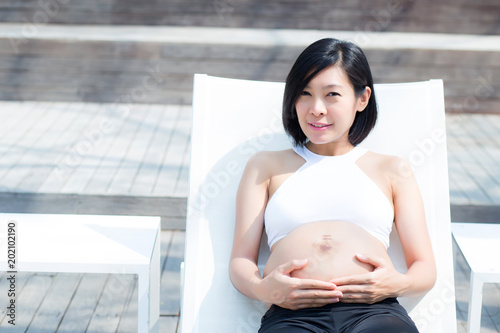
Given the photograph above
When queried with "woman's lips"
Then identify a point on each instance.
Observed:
(319, 126)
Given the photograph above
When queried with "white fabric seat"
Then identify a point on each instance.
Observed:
(235, 118)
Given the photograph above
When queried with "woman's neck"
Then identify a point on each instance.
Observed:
(330, 149)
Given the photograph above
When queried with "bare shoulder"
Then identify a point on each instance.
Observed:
(394, 168)
(387, 162)
(272, 161)
(264, 165)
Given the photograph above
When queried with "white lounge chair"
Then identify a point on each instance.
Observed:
(235, 118)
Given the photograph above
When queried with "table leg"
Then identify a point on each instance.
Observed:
(143, 301)
(475, 303)
(154, 287)
(149, 292)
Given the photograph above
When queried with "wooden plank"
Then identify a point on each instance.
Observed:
(457, 105)
(457, 194)
(158, 184)
(483, 132)
(475, 213)
(490, 304)
(170, 278)
(470, 159)
(182, 185)
(94, 146)
(18, 130)
(494, 122)
(106, 316)
(128, 319)
(127, 73)
(311, 15)
(124, 177)
(148, 171)
(70, 142)
(32, 134)
(463, 170)
(166, 239)
(94, 96)
(436, 58)
(40, 157)
(478, 143)
(184, 95)
(55, 303)
(150, 52)
(169, 324)
(87, 49)
(178, 77)
(93, 85)
(184, 129)
(171, 165)
(12, 114)
(82, 306)
(461, 275)
(104, 174)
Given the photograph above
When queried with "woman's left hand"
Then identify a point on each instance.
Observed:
(383, 282)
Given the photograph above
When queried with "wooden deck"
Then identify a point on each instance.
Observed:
(473, 157)
(82, 148)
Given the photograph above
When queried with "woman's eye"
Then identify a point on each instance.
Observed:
(333, 94)
(305, 93)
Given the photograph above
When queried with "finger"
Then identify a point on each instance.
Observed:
(315, 284)
(292, 265)
(364, 278)
(313, 302)
(372, 260)
(313, 295)
(353, 289)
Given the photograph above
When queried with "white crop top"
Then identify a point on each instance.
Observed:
(329, 188)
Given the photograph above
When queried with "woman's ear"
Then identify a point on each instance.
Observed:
(364, 99)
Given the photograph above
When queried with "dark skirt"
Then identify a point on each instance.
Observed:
(386, 316)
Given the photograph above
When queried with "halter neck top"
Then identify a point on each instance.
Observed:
(329, 188)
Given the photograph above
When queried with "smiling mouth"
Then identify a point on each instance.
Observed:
(319, 125)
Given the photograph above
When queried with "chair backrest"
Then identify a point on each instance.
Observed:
(232, 119)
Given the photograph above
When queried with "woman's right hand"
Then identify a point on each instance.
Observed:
(280, 288)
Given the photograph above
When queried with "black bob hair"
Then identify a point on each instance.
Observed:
(316, 57)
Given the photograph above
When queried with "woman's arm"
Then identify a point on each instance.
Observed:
(412, 231)
(251, 201)
(278, 287)
(411, 226)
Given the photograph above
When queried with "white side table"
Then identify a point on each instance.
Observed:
(91, 244)
(480, 245)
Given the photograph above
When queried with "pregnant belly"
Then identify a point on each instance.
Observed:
(330, 248)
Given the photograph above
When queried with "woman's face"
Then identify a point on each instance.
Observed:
(327, 106)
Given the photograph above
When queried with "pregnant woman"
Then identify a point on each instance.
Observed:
(328, 207)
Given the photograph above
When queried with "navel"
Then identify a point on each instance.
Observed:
(324, 246)
(326, 243)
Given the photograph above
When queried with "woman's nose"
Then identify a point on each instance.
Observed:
(318, 108)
